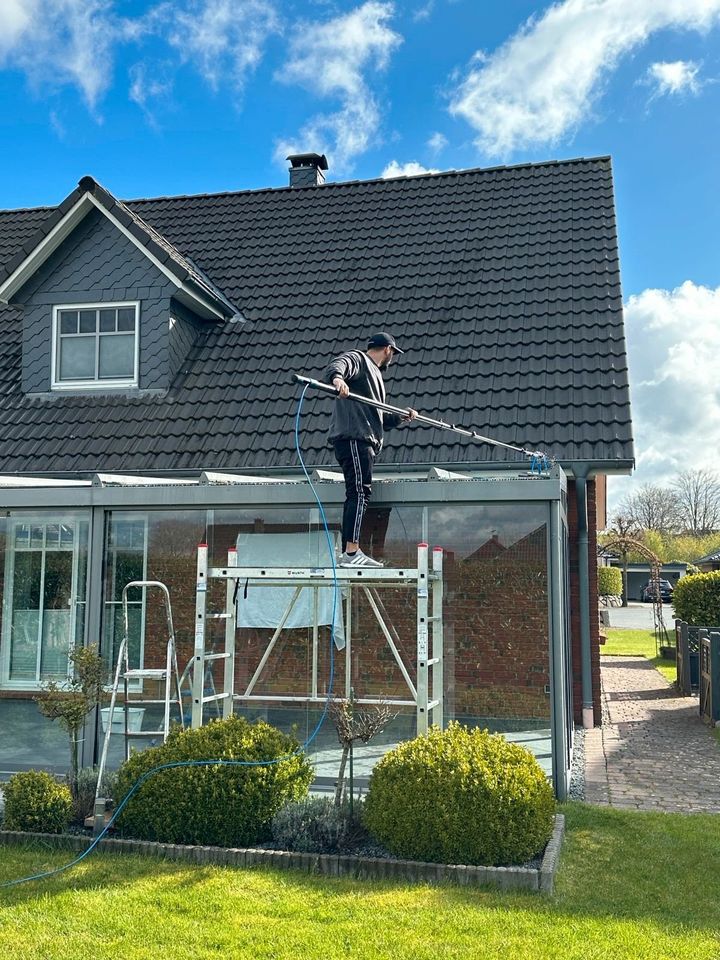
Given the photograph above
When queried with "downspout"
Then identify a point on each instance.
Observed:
(584, 595)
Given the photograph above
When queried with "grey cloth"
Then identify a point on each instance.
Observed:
(359, 421)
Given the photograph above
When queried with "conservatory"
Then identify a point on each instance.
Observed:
(71, 546)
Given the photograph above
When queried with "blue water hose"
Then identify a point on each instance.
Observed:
(227, 763)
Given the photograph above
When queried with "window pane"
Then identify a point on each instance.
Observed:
(126, 318)
(77, 358)
(107, 320)
(87, 321)
(68, 321)
(117, 357)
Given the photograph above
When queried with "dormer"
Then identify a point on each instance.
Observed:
(108, 303)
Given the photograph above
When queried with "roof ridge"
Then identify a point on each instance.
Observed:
(351, 183)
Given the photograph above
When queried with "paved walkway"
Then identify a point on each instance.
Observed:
(653, 751)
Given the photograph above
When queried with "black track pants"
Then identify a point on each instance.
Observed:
(356, 457)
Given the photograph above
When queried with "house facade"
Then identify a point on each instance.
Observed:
(147, 405)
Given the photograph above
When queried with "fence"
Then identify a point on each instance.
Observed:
(687, 644)
(710, 676)
(698, 667)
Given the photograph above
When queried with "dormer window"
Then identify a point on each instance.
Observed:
(95, 346)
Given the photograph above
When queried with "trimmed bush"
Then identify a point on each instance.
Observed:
(215, 805)
(34, 800)
(318, 825)
(460, 796)
(696, 599)
(610, 582)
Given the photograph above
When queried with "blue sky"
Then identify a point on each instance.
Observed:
(191, 96)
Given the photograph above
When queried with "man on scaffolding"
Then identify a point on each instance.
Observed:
(357, 430)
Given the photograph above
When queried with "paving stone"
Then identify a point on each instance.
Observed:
(653, 751)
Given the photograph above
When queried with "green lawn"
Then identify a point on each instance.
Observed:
(632, 886)
(640, 643)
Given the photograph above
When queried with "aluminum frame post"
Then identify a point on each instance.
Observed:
(422, 639)
(230, 628)
(198, 677)
(438, 638)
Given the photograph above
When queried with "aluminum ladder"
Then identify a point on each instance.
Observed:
(125, 675)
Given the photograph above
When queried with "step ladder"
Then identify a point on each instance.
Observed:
(125, 675)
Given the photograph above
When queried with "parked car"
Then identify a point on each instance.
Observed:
(653, 587)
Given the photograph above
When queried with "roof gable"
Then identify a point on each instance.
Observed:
(193, 287)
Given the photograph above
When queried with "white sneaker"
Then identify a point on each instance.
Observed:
(358, 559)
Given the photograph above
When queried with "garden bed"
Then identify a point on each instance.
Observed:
(539, 878)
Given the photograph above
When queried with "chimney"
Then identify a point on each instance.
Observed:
(306, 169)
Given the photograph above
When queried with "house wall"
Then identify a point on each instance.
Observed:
(97, 264)
(184, 330)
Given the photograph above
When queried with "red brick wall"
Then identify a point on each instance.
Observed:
(495, 620)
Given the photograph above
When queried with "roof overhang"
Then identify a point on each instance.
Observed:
(37, 252)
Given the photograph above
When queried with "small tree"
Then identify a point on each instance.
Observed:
(73, 699)
(356, 723)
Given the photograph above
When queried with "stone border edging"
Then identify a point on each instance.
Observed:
(363, 868)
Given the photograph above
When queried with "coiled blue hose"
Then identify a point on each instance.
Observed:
(227, 763)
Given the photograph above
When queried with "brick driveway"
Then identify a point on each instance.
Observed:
(653, 751)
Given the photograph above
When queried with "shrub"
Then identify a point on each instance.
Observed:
(34, 800)
(84, 789)
(610, 582)
(697, 599)
(216, 805)
(318, 825)
(460, 796)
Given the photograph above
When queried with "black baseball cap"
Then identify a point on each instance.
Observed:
(379, 340)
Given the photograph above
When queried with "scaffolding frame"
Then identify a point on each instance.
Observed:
(426, 694)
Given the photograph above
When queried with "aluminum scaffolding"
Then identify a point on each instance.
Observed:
(426, 580)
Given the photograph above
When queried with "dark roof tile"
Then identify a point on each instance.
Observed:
(502, 284)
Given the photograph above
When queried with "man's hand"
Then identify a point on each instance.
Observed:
(409, 415)
(342, 388)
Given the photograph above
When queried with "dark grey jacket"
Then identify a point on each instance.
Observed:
(359, 421)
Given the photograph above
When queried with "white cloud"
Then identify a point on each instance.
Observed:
(148, 85)
(437, 142)
(60, 42)
(330, 60)
(223, 39)
(673, 339)
(410, 169)
(424, 12)
(542, 83)
(678, 76)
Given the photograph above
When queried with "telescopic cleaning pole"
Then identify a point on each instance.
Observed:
(536, 456)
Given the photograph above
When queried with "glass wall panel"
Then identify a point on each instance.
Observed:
(497, 665)
(44, 583)
(43, 586)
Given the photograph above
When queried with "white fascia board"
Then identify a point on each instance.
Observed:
(47, 246)
(123, 480)
(192, 299)
(327, 475)
(208, 477)
(18, 481)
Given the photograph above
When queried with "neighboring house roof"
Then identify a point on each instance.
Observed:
(501, 284)
(713, 557)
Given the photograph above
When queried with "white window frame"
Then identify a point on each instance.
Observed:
(104, 384)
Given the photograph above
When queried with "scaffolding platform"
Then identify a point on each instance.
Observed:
(425, 580)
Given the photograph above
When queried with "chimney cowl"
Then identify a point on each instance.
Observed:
(306, 169)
